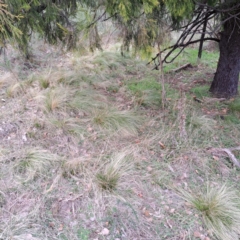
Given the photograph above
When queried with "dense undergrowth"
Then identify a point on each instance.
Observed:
(88, 152)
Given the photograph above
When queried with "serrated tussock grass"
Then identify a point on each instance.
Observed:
(16, 226)
(70, 125)
(15, 85)
(123, 122)
(73, 167)
(33, 163)
(86, 100)
(111, 174)
(16, 89)
(220, 209)
(44, 83)
(191, 126)
(55, 98)
(201, 122)
(82, 166)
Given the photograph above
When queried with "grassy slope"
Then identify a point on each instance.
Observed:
(87, 152)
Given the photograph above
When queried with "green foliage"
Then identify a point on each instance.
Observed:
(87, 27)
(63, 20)
(83, 234)
(48, 18)
(129, 9)
(210, 58)
(232, 119)
(142, 22)
(180, 9)
(144, 84)
(7, 28)
(147, 92)
(234, 106)
(201, 91)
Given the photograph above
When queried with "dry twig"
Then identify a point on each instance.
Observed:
(228, 151)
(183, 67)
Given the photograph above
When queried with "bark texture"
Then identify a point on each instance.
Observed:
(225, 82)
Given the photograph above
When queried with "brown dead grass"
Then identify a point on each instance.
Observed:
(85, 128)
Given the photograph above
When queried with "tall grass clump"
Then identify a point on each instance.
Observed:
(68, 125)
(111, 174)
(33, 163)
(55, 99)
(16, 89)
(220, 210)
(73, 167)
(200, 123)
(44, 83)
(123, 122)
(87, 100)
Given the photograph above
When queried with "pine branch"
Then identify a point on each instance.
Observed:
(97, 19)
(176, 46)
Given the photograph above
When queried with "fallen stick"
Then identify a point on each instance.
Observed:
(187, 65)
(229, 153)
(213, 100)
(232, 157)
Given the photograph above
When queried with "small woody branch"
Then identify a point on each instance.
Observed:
(228, 152)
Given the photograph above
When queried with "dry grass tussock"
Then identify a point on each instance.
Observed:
(7, 78)
(11, 82)
(87, 152)
(55, 99)
(34, 163)
(219, 207)
(121, 123)
(111, 174)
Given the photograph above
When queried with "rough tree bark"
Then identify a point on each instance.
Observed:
(225, 82)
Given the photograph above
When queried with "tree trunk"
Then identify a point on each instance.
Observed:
(225, 82)
(202, 37)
